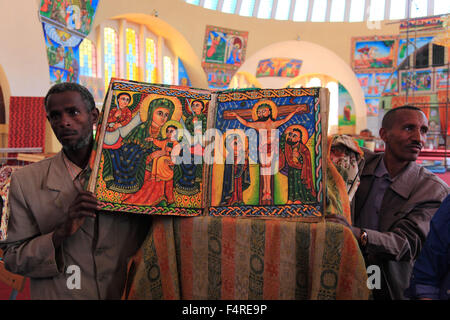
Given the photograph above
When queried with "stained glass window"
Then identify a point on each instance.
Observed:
(111, 54)
(132, 54)
(150, 61)
(265, 9)
(229, 6)
(319, 11)
(441, 7)
(357, 10)
(301, 10)
(168, 70)
(397, 10)
(337, 12)
(419, 8)
(247, 7)
(334, 103)
(376, 10)
(88, 65)
(283, 8)
(210, 4)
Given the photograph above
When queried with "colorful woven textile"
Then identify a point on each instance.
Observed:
(5, 179)
(256, 258)
(247, 258)
(26, 122)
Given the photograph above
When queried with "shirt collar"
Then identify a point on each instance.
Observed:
(381, 170)
(72, 168)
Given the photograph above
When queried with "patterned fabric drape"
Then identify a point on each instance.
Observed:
(249, 258)
(444, 112)
(417, 101)
(26, 122)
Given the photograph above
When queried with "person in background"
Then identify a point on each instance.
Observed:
(395, 201)
(431, 274)
(56, 234)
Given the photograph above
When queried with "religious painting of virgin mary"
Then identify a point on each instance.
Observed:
(139, 133)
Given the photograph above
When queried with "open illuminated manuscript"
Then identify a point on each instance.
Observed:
(171, 150)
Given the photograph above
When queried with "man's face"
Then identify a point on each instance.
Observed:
(293, 137)
(124, 100)
(197, 107)
(263, 113)
(407, 136)
(70, 120)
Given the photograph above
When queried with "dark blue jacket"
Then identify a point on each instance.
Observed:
(431, 273)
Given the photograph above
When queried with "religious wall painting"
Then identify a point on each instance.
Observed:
(76, 15)
(279, 67)
(183, 76)
(372, 105)
(270, 153)
(407, 48)
(218, 76)
(365, 81)
(96, 86)
(346, 113)
(62, 54)
(224, 46)
(385, 84)
(422, 23)
(374, 54)
(441, 79)
(420, 80)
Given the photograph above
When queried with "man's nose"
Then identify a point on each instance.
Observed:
(418, 135)
(66, 121)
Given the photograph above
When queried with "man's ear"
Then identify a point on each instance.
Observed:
(383, 134)
(95, 115)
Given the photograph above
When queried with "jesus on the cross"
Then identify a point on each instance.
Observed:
(264, 114)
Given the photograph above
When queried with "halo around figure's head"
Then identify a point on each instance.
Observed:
(270, 104)
(176, 112)
(172, 123)
(302, 129)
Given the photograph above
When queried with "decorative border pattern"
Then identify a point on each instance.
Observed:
(293, 211)
(150, 210)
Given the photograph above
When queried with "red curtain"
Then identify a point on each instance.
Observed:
(422, 102)
(26, 122)
(444, 112)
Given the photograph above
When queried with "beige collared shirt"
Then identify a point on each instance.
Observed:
(99, 251)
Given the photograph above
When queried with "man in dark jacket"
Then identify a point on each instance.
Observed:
(395, 201)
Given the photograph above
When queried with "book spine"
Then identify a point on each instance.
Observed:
(100, 139)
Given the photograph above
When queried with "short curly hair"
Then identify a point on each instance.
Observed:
(70, 86)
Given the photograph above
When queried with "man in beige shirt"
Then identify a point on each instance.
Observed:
(56, 236)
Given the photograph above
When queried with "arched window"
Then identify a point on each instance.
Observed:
(334, 104)
(150, 61)
(132, 54)
(168, 70)
(111, 54)
(314, 82)
(88, 65)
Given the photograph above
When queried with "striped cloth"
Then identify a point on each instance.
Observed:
(256, 258)
(247, 258)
